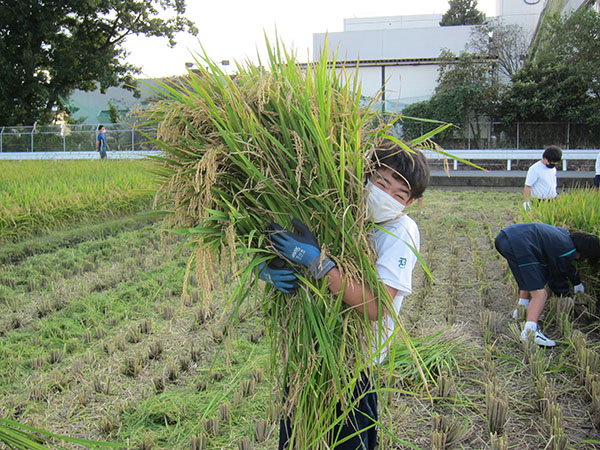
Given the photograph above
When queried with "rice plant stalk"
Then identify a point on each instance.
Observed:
(274, 142)
(576, 210)
(496, 407)
(20, 436)
(498, 442)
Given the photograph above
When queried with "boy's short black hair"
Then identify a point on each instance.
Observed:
(553, 154)
(100, 126)
(588, 246)
(410, 168)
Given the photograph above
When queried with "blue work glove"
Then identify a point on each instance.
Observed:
(300, 247)
(278, 274)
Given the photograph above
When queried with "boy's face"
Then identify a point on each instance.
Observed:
(102, 130)
(550, 164)
(384, 180)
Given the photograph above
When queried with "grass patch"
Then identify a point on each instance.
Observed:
(40, 196)
(74, 372)
(11, 253)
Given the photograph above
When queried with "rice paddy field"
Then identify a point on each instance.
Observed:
(99, 341)
(38, 196)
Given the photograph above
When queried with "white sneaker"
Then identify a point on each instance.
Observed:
(539, 339)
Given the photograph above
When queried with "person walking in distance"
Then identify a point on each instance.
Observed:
(101, 142)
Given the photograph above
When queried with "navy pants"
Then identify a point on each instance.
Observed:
(530, 276)
(363, 416)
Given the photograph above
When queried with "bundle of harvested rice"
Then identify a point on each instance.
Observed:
(273, 142)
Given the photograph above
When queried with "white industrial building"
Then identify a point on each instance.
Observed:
(399, 53)
(399, 56)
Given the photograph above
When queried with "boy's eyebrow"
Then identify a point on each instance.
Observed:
(383, 177)
(403, 188)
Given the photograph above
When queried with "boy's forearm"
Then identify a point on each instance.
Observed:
(526, 193)
(356, 295)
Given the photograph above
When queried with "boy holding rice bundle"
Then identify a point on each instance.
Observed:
(397, 178)
(540, 254)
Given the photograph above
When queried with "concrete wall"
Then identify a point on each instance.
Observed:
(406, 43)
(520, 12)
(404, 84)
(406, 57)
(572, 5)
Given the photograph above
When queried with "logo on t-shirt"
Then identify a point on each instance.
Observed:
(402, 263)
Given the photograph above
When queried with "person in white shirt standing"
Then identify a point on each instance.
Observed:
(597, 177)
(540, 182)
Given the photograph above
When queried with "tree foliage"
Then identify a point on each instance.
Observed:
(563, 82)
(113, 112)
(575, 41)
(549, 92)
(507, 44)
(462, 12)
(48, 48)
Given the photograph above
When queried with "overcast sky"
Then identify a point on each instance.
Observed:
(234, 29)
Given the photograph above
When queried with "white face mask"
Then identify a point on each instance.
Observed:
(381, 206)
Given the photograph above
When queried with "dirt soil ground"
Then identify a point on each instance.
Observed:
(96, 342)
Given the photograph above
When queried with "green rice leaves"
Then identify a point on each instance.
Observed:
(273, 142)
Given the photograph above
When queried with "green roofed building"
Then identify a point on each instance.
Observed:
(93, 107)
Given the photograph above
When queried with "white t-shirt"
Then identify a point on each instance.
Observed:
(598, 164)
(542, 180)
(395, 264)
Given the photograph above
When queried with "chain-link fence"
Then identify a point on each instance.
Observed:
(498, 135)
(68, 138)
(477, 135)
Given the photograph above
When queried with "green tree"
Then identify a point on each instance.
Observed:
(562, 82)
(575, 41)
(48, 48)
(507, 44)
(462, 12)
(113, 112)
(549, 92)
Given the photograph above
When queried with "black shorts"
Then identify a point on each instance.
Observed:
(363, 417)
(529, 275)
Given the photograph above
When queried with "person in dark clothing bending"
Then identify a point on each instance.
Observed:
(540, 254)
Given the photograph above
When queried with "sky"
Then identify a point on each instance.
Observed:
(234, 30)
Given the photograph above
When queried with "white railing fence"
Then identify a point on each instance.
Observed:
(505, 156)
(510, 155)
